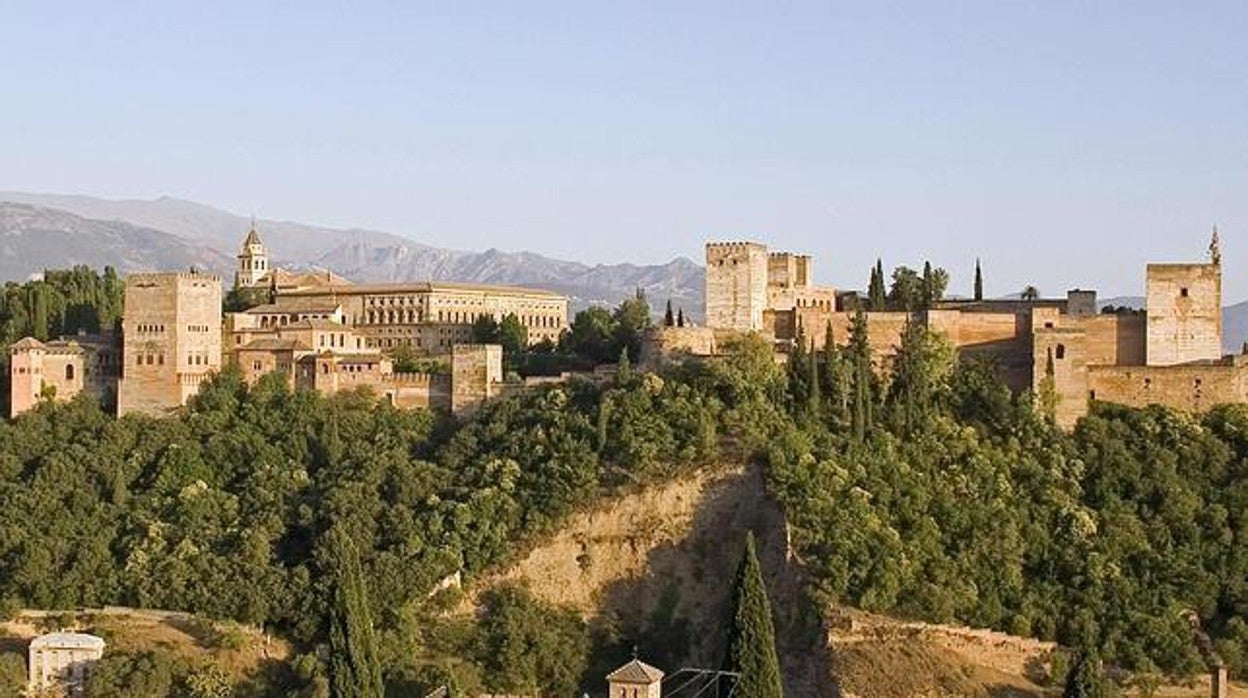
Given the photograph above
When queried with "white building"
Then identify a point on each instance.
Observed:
(63, 660)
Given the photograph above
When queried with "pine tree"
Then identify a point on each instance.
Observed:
(1084, 679)
(979, 282)
(355, 670)
(751, 636)
(668, 319)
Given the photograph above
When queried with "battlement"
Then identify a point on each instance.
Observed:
(154, 278)
(735, 246)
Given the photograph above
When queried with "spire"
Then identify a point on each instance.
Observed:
(253, 237)
(1215, 248)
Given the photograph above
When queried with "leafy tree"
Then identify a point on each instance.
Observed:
(591, 334)
(1084, 679)
(527, 646)
(513, 335)
(12, 674)
(751, 636)
(1030, 293)
(632, 317)
(354, 667)
(486, 330)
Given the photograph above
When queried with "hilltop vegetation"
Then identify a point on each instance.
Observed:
(932, 494)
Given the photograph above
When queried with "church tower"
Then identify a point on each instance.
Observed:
(253, 261)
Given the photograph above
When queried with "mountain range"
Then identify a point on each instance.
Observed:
(51, 230)
(39, 231)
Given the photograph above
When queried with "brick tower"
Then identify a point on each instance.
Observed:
(171, 339)
(736, 285)
(1185, 311)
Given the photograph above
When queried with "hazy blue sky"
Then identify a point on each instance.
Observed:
(1064, 143)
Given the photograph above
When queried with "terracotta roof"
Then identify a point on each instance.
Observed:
(636, 671)
(315, 324)
(273, 344)
(27, 343)
(315, 304)
(423, 287)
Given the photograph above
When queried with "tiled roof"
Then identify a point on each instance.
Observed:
(636, 671)
(27, 343)
(285, 305)
(71, 640)
(423, 287)
(270, 344)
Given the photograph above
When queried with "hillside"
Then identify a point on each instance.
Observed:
(369, 255)
(653, 563)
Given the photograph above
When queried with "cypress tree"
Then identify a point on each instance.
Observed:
(668, 319)
(859, 355)
(355, 670)
(751, 636)
(877, 294)
(680, 317)
(979, 282)
(813, 397)
(929, 290)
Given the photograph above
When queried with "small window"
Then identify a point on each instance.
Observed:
(1060, 353)
(1183, 292)
(1091, 394)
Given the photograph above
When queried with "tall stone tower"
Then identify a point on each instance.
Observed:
(253, 261)
(171, 339)
(1185, 311)
(736, 285)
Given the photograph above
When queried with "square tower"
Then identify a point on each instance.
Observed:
(171, 339)
(1184, 313)
(736, 285)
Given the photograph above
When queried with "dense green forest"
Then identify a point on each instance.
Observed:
(930, 493)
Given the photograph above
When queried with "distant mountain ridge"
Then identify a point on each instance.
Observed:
(360, 255)
(34, 238)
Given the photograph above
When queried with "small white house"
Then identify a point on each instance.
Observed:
(63, 660)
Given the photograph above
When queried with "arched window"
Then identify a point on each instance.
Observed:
(69, 372)
(1061, 352)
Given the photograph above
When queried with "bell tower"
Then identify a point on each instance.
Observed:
(253, 261)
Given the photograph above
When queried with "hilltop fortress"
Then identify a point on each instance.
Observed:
(316, 329)
(1169, 354)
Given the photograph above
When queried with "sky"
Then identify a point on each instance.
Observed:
(1063, 143)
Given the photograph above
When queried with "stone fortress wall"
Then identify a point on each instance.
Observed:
(1170, 354)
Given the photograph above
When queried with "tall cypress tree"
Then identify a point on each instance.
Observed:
(813, 396)
(929, 289)
(751, 636)
(355, 669)
(979, 282)
(859, 355)
(680, 317)
(877, 294)
(669, 320)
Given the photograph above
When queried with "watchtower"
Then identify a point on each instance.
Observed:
(1185, 311)
(171, 339)
(736, 285)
